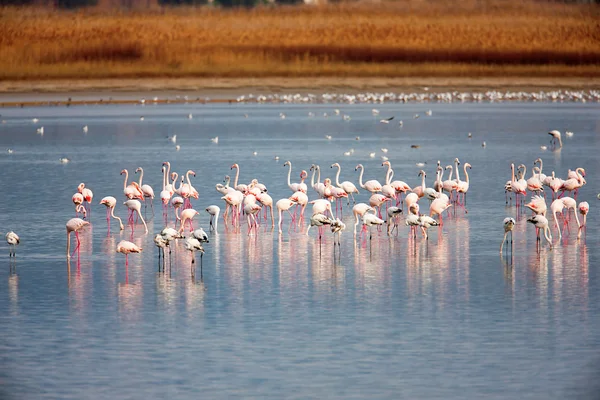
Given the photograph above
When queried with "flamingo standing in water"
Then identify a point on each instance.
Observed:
(359, 210)
(241, 187)
(13, 240)
(318, 220)
(318, 186)
(295, 187)
(392, 219)
(126, 247)
(557, 206)
(87, 194)
(462, 187)
(509, 224)
(541, 222)
(79, 208)
(348, 186)
(110, 203)
(193, 245)
(74, 225)
(133, 190)
(584, 208)
(251, 210)
(135, 206)
(214, 211)
(372, 186)
(400, 187)
(284, 205)
(555, 138)
(573, 184)
(186, 216)
(301, 199)
(147, 190)
(337, 226)
(570, 203)
(370, 220)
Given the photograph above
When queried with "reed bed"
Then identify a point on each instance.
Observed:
(405, 38)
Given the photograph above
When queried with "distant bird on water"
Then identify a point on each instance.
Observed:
(555, 138)
(13, 240)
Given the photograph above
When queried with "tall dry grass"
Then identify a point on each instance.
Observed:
(402, 38)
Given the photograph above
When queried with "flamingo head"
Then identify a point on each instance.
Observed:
(80, 187)
(357, 167)
(166, 163)
(312, 167)
(285, 164)
(467, 165)
(385, 164)
(123, 171)
(303, 174)
(138, 169)
(335, 165)
(234, 166)
(582, 172)
(456, 161)
(191, 172)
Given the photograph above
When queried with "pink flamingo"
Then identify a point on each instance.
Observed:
(147, 190)
(463, 187)
(284, 205)
(251, 209)
(74, 225)
(570, 203)
(400, 187)
(348, 186)
(376, 200)
(78, 200)
(359, 211)
(131, 191)
(234, 200)
(110, 203)
(126, 247)
(573, 184)
(241, 187)
(295, 187)
(557, 206)
(267, 202)
(88, 195)
(301, 200)
(214, 211)
(584, 208)
(438, 206)
(541, 222)
(372, 186)
(135, 206)
(187, 215)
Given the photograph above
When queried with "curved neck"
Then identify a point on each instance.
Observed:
(360, 181)
(175, 182)
(318, 174)
(423, 181)
(451, 171)
(524, 171)
(141, 176)
(237, 175)
(512, 169)
(312, 178)
(126, 178)
(112, 214)
(337, 175)
(541, 166)
(227, 180)
(289, 174)
(187, 177)
(548, 239)
(466, 173)
(168, 169)
(164, 178)
(389, 175)
(457, 171)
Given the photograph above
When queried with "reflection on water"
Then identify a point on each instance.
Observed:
(289, 313)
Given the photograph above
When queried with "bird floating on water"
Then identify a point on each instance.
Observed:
(568, 133)
(429, 113)
(328, 137)
(85, 129)
(172, 138)
(13, 240)
(190, 116)
(9, 151)
(215, 139)
(177, 148)
(63, 160)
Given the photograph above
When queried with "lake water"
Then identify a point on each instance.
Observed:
(282, 316)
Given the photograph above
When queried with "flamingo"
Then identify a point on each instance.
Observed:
(318, 186)
(509, 224)
(13, 240)
(295, 187)
(359, 210)
(537, 205)
(177, 202)
(74, 225)
(131, 191)
(167, 172)
(348, 186)
(411, 198)
(241, 187)
(88, 195)
(423, 190)
(370, 220)
(450, 185)
(321, 206)
(213, 211)
(201, 235)
(283, 205)
(426, 222)
(387, 189)
(584, 208)
(78, 200)
(412, 219)
(318, 220)
(147, 190)
(251, 210)
(337, 226)
(372, 186)
(573, 184)
(263, 189)
(555, 184)
(555, 137)
(187, 215)
(534, 184)
(267, 201)
(193, 245)
(169, 234)
(301, 199)
(161, 243)
(438, 206)
(224, 189)
(400, 187)
(557, 206)
(336, 193)
(541, 222)
(541, 175)
(463, 186)
(515, 186)
(135, 206)
(392, 216)
(234, 200)
(126, 247)
(570, 203)
(376, 200)
(110, 203)
(165, 194)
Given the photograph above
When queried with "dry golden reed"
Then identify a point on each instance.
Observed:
(404, 38)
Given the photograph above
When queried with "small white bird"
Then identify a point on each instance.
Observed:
(384, 158)
(215, 139)
(63, 160)
(282, 115)
(328, 137)
(336, 111)
(85, 129)
(375, 111)
(35, 120)
(544, 148)
(177, 148)
(372, 155)
(420, 164)
(429, 113)
(357, 138)
(276, 158)
(483, 144)
(40, 130)
(172, 138)
(255, 153)
(311, 114)
(346, 117)
(141, 118)
(416, 116)
(470, 135)
(347, 153)
(568, 133)
(401, 123)
(190, 116)
(384, 150)
(9, 151)
(13, 240)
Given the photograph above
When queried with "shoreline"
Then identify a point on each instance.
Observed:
(109, 91)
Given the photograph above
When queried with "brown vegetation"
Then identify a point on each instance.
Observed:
(404, 38)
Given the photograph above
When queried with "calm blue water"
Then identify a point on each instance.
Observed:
(280, 316)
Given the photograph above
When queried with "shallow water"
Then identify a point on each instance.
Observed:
(283, 315)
